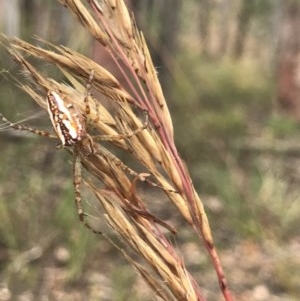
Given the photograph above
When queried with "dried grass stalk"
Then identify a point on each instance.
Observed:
(109, 22)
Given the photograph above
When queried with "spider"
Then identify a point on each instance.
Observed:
(70, 126)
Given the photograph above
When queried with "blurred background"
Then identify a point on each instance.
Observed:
(230, 70)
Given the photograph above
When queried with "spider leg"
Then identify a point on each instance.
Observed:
(122, 136)
(27, 129)
(100, 150)
(87, 109)
(97, 119)
(77, 183)
(143, 178)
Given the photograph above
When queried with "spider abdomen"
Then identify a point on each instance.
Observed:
(67, 121)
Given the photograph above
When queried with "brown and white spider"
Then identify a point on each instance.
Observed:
(70, 126)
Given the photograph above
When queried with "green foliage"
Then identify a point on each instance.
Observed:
(228, 97)
(282, 126)
(123, 277)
